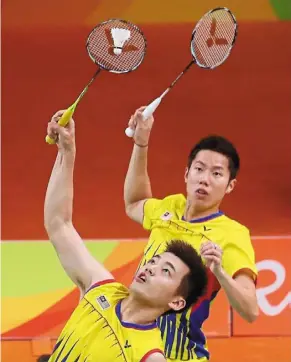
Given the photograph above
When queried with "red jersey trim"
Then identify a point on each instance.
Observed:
(102, 282)
(249, 272)
(151, 352)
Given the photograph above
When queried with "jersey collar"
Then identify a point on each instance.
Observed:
(132, 325)
(206, 218)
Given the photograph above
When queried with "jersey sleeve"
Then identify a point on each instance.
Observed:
(149, 210)
(239, 254)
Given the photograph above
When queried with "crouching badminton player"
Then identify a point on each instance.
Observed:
(111, 322)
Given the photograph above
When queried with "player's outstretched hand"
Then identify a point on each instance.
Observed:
(64, 136)
(142, 127)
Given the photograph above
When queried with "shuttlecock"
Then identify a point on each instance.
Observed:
(119, 36)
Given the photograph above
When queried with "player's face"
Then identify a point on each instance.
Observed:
(157, 281)
(208, 179)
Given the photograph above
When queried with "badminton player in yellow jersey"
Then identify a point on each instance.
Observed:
(111, 322)
(224, 244)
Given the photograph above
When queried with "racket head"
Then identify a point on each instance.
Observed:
(102, 45)
(213, 38)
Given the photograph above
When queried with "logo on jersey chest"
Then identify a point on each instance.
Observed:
(103, 302)
(127, 345)
(206, 228)
(166, 216)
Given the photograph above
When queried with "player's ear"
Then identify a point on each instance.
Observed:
(177, 303)
(231, 186)
(186, 174)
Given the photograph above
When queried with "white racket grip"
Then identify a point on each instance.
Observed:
(147, 112)
(151, 108)
(129, 132)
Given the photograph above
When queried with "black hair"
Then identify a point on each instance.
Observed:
(221, 145)
(43, 358)
(194, 284)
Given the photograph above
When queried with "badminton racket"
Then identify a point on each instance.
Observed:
(211, 43)
(114, 45)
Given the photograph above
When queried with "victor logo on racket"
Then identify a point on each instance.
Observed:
(212, 40)
(114, 45)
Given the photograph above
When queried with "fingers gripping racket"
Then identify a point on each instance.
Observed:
(212, 40)
(114, 45)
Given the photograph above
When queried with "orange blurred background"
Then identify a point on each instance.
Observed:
(247, 99)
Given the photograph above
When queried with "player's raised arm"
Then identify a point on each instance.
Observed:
(137, 186)
(78, 263)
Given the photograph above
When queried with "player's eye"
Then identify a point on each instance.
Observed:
(166, 271)
(197, 168)
(216, 174)
(152, 261)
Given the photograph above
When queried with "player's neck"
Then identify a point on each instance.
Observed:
(193, 212)
(136, 311)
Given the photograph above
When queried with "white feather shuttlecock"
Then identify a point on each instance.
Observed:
(119, 36)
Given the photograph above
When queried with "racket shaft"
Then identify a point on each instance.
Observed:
(84, 91)
(181, 74)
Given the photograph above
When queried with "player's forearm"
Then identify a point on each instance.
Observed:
(242, 299)
(137, 184)
(59, 196)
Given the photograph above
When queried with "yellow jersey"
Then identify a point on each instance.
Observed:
(182, 332)
(95, 331)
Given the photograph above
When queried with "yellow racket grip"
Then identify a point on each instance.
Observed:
(63, 121)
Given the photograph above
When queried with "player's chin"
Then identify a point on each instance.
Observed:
(205, 202)
(203, 198)
(140, 288)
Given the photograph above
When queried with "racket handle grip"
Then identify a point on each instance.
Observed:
(129, 132)
(147, 112)
(63, 121)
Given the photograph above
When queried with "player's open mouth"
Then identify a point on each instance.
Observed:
(201, 192)
(141, 278)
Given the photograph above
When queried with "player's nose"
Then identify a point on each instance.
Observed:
(150, 270)
(204, 178)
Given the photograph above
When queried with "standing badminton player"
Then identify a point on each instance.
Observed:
(225, 244)
(111, 322)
